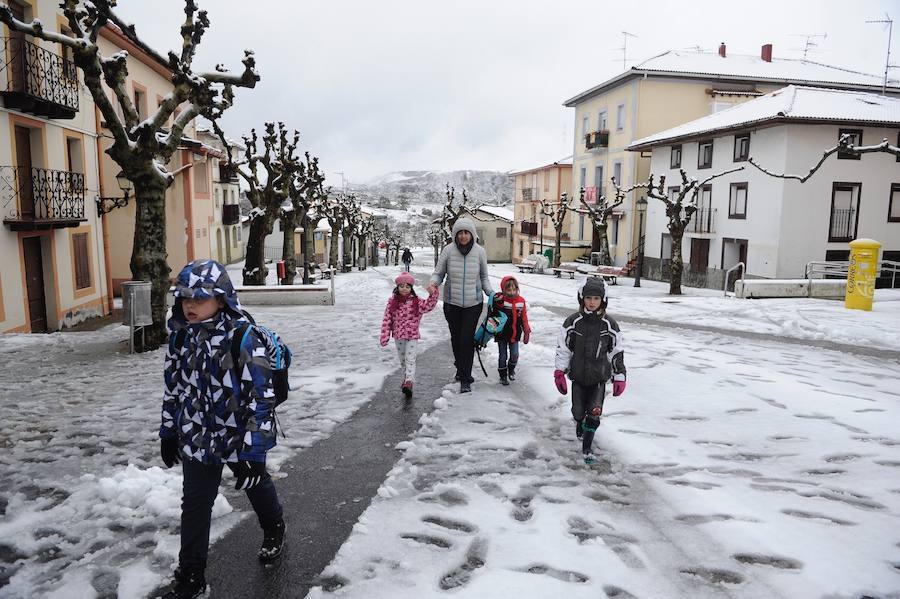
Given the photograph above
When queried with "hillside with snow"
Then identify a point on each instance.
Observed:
(429, 187)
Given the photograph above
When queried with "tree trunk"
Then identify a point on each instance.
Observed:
(364, 250)
(309, 250)
(397, 256)
(255, 270)
(603, 235)
(677, 263)
(437, 252)
(148, 253)
(288, 248)
(346, 259)
(333, 253)
(375, 257)
(557, 248)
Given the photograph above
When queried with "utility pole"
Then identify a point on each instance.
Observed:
(887, 61)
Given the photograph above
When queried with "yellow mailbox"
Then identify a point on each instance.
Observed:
(861, 274)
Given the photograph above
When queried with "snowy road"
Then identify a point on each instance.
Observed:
(731, 467)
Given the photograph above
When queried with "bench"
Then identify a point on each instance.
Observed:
(325, 271)
(609, 273)
(526, 266)
(569, 271)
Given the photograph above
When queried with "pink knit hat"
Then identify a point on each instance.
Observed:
(405, 277)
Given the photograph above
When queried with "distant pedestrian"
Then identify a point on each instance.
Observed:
(402, 316)
(590, 350)
(516, 328)
(464, 265)
(406, 258)
(214, 416)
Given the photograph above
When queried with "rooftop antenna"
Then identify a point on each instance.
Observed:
(624, 48)
(887, 61)
(809, 43)
(698, 49)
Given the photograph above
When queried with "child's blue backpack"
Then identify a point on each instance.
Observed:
(493, 323)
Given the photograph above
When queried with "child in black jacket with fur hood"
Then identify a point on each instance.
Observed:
(590, 350)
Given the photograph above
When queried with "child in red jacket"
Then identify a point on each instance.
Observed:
(509, 301)
(401, 320)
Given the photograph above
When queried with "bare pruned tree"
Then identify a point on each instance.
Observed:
(599, 214)
(680, 208)
(437, 238)
(364, 228)
(844, 146)
(305, 192)
(350, 215)
(268, 172)
(452, 210)
(557, 211)
(143, 147)
(333, 213)
(395, 242)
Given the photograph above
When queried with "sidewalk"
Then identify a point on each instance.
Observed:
(325, 490)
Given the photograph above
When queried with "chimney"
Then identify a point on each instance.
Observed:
(766, 53)
(722, 49)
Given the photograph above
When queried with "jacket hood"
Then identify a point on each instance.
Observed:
(506, 280)
(203, 279)
(464, 224)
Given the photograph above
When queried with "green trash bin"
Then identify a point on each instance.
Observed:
(548, 253)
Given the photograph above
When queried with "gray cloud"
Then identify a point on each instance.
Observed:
(415, 85)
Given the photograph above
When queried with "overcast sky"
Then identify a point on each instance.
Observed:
(388, 85)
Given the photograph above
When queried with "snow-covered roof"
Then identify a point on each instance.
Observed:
(741, 67)
(372, 211)
(791, 104)
(567, 161)
(498, 211)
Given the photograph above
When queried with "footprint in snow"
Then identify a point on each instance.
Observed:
(817, 516)
(449, 524)
(758, 559)
(564, 575)
(462, 574)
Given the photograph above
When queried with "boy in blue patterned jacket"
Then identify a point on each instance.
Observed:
(216, 413)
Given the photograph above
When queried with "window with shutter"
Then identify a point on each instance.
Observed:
(82, 260)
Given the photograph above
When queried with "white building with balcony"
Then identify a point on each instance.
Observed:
(776, 226)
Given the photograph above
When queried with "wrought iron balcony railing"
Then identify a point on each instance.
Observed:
(40, 198)
(231, 214)
(703, 221)
(227, 175)
(37, 81)
(596, 140)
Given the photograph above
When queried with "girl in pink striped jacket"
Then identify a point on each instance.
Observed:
(401, 320)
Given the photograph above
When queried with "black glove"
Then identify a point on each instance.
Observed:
(168, 449)
(248, 474)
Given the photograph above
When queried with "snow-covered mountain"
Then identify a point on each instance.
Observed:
(429, 187)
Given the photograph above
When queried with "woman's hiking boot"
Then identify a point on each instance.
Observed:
(511, 367)
(273, 543)
(407, 389)
(503, 379)
(188, 584)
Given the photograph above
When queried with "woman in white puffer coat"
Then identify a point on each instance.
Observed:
(462, 267)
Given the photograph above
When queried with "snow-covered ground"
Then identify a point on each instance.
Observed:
(731, 466)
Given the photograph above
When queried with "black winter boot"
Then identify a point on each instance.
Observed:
(273, 543)
(188, 584)
(503, 379)
(511, 367)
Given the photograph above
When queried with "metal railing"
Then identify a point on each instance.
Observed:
(41, 194)
(841, 268)
(40, 74)
(729, 271)
(703, 221)
(843, 225)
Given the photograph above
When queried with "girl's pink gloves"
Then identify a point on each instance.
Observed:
(618, 388)
(559, 377)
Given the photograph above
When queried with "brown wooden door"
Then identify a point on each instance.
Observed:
(23, 173)
(17, 51)
(34, 284)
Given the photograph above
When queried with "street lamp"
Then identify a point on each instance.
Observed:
(107, 205)
(641, 209)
